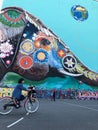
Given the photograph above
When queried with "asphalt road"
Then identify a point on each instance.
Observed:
(65, 114)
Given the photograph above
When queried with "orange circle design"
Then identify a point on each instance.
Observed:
(26, 62)
(61, 53)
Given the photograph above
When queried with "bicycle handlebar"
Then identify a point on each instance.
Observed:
(31, 92)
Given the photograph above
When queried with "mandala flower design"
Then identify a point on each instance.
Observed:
(26, 62)
(27, 46)
(6, 49)
(41, 56)
(69, 62)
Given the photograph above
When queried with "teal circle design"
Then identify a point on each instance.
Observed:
(79, 13)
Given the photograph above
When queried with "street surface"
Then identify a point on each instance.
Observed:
(63, 114)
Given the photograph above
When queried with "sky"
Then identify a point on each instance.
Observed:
(1, 2)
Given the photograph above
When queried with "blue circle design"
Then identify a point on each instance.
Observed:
(45, 60)
(79, 13)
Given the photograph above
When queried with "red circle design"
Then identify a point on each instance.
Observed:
(26, 62)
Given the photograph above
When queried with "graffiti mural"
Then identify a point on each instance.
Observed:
(30, 49)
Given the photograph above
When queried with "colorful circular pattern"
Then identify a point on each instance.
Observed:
(79, 13)
(69, 62)
(61, 53)
(41, 56)
(27, 46)
(26, 62)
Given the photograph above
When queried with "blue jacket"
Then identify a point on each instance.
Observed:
(18, 91)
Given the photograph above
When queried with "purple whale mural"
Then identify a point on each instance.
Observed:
(30, 49)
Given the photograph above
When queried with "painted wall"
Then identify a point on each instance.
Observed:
(81, 37)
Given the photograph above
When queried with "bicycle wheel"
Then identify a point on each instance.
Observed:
(4, 102)
(32, 106)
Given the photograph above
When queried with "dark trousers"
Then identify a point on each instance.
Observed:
(21, 98)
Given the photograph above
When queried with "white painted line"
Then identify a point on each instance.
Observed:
(91, 105)
(83, 107)
(15, 122)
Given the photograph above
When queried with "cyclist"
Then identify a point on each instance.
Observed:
(17, 93)
(31, 104)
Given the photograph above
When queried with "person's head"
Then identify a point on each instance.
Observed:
(21, 80)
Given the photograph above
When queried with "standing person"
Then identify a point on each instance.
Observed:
(54, 94)
(17, 92)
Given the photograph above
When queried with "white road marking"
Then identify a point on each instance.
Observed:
(83, 107)
(15, 122)
(91, 105)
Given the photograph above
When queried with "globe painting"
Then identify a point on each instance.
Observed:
(79, 13)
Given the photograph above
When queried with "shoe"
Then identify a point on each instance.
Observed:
(17, 106)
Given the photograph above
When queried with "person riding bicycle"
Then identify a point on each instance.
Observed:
(31, 103)
(17, 93)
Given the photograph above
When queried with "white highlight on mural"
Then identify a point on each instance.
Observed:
(1, 2)
(6, 49)
(61, 70)
(44, 30)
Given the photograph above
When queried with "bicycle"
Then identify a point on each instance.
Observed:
(31, 103)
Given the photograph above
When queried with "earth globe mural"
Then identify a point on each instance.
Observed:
(79, 13)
